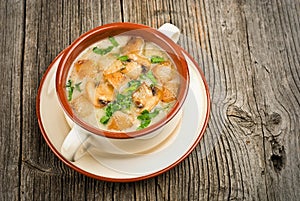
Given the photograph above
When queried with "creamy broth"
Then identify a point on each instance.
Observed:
(122, 83)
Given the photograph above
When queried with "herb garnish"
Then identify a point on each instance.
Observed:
(104, 51)
(70, 88)
(113, 41)
(149, 75)
(157, 59)
(145, 118)
(132, 86)
(123, 58)
(122, 102)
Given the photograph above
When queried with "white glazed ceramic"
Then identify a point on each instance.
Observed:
(130, 167)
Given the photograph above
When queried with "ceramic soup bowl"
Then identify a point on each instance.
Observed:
(83, 135)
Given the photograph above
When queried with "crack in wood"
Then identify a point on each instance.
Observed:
(38, 168)
(278, 156)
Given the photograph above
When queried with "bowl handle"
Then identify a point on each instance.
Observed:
(74, 140)
(171, 31)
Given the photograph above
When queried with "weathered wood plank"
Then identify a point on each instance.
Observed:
(226, 39)
(278, 100)
(51, 27)
(241, 34)
(11, 47)
(40, 170)
(249, 51)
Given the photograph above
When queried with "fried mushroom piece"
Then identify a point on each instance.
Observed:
(117, 65)
(85, 68)
(170, 90)
(116, 79)
(167, 95)
(82, 106)
(164, 72)
(144, 61)
(120, 121)
(132, 70)
(145, 97)
(101, 95)
(134, 45)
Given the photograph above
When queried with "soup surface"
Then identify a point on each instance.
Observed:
(122, 83)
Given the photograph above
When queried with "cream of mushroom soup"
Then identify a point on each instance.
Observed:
(122, 83)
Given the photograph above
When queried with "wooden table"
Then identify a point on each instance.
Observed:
(249, 52)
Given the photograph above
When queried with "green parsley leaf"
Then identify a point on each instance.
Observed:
(123, 58)
(154, 113)
(108, 113)
(113, 41)
(102, 51)
(132, 86)
(157, 59)
(145, 118)
(144, 123)
(150, 75)
(122, 102)
(104, 119)
(69, 89)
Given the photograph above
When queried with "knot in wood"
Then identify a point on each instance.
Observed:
(240, 117)
(273, 124)
(273, 119)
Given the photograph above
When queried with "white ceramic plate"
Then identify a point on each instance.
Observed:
(131, 167)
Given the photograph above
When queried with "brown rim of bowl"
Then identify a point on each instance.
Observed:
(102, 32)
(74, 167)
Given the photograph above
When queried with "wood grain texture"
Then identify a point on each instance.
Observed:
(249, 52)
(12, 36)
